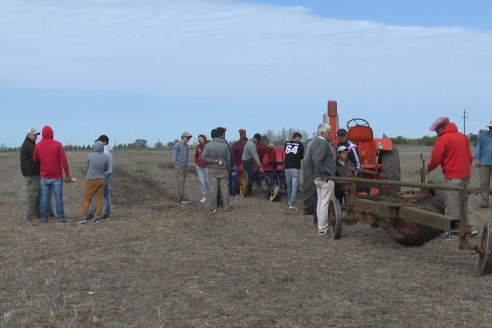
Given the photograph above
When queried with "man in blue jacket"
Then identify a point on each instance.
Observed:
(483, 160)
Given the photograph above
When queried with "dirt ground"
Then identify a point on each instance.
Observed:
(161, 264)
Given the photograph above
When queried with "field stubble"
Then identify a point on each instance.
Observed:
(161, 264)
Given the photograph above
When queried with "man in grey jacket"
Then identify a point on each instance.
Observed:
(218, 156)
(250, 155)
(180, 162)
(97, 165)
(323, 160)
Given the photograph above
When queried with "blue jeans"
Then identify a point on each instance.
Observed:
(107, 197)
(202, 173)
(292, 180)
(233, 182)
(47, 187)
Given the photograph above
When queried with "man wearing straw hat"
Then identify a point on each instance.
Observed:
(483, 160)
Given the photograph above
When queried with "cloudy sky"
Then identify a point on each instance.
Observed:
(152, 68)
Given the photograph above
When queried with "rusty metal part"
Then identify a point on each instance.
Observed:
(396, 183)
(335, 218)
(422, 169)
(484, 249)
(407, 224)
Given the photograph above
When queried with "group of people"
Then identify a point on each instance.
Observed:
(43, 165)
(217, 165)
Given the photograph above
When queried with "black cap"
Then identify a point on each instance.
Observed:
(341, 132)
(257, 136)
(103, 138)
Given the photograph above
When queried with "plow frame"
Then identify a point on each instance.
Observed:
(381, 213)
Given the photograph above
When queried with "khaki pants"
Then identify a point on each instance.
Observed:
(325, 190)
(32, 196)
(180, 174)
(452, 202)
(484, 174)
(219, 179)
(93, 186)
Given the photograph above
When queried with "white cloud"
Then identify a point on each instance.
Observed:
(237, 50)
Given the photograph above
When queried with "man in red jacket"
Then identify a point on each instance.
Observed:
(51, 156)
(452, 152)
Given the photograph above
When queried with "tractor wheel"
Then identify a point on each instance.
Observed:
(391, 166)
(418, 234)
(308, 190)
(485, 251)
(335, 218)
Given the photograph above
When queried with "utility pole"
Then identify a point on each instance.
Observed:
(464, 117)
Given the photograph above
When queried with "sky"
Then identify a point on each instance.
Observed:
(151, 69)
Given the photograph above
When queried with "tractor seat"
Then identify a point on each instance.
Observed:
(360, 133)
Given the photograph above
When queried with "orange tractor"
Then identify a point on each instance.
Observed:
(411, 217)
(379, 159)
(374, 202)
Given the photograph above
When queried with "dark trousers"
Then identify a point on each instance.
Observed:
(250, 173)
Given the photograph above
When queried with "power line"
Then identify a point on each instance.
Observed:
(464, 117)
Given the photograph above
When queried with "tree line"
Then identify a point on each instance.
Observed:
(271, 137)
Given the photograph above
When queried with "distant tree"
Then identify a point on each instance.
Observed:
(428, 141)
(141, 143)
(170, 144)
(400, 140)
(473, 138)
(159, 145)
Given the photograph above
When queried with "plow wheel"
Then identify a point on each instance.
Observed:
(335, 219)
(415, 234)
(418, 234)
(485, 251)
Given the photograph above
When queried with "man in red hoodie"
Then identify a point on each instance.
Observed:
(51, 156)
(452, 152)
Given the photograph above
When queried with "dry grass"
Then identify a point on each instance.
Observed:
(160, 264)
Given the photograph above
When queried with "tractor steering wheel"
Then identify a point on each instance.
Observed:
(356, 122)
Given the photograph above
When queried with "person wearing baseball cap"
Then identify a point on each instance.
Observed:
(108, 177)
(180, 162)
(352, 150)
(452, 152)
(250, 155)
(483, 160)
(30, 171)
(343, 166)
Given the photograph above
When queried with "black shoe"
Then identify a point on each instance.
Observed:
(105, 217)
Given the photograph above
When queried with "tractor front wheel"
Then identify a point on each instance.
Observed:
(390, 159)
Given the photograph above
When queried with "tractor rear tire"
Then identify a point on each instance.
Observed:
(308, 190)
(391, 166)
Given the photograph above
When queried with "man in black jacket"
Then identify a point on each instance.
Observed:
(30, 171)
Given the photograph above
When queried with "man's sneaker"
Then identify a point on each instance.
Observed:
(448, 236)
(213, 210)
(473, 233)
(90, 218)
(105, 217)
(322, 233)
(483, 205)
(97, 219)
(293, 207)
(185, 201)
(203, 200)
(82, 221)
